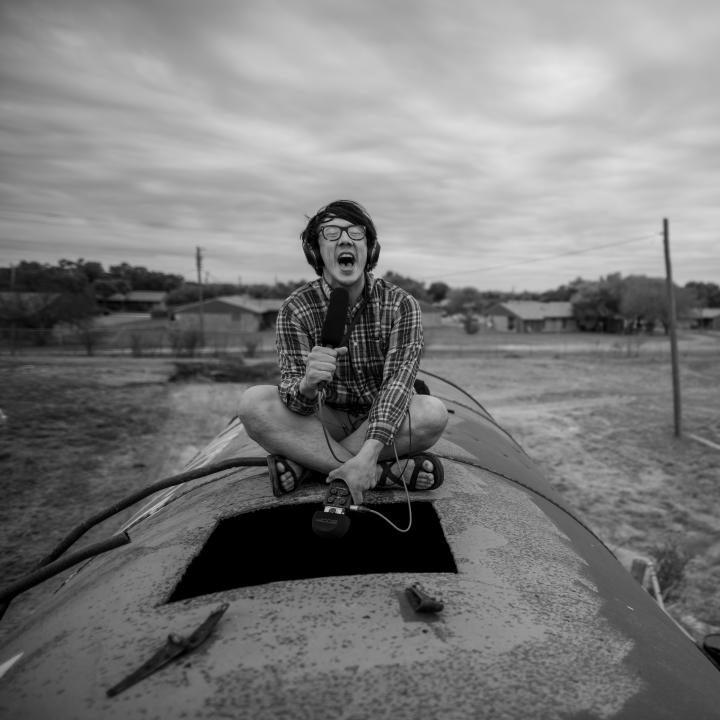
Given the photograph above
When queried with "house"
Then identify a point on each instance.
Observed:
(240, 313)
(531, 316)
(135, 301)
(231, 313)
(705, 318)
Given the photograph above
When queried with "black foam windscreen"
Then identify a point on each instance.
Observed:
(330, 525)
(334, 325)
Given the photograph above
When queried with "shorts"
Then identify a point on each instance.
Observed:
(341, 423)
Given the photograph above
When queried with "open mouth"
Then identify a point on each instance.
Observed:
(346, 260)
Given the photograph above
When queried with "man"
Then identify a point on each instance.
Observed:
(348, 412)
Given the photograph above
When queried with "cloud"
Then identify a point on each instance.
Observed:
(478, 136)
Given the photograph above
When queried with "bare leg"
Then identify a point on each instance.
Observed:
(300, 438)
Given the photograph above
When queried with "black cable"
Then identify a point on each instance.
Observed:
(457, 387)
(51, 569)
(486, 413)
(178, 479)
(320, 404)
(49, 565)
(402, 479)
(506, 477)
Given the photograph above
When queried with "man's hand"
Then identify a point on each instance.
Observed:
(320, 368)
(359, 472)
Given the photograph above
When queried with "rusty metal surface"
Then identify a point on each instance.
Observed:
(539, 621)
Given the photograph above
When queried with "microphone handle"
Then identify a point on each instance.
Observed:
(322, 387)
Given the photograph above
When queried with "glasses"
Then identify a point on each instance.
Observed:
(333, 232)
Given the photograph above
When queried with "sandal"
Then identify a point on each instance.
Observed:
(388, 478)
(277, 488)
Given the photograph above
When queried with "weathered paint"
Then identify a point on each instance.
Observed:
(540, 620)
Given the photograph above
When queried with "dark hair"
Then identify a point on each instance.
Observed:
(345, 210)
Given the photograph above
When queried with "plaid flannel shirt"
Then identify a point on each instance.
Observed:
(377, 374)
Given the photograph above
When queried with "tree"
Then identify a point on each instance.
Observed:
(91, 271)
(525, 295)
(488, 298)
(278, 291)
(75, 276)
(106, 286)
(466, 300)
(414, 287)
(563, 293)
(644, 299)
(596, 304)
(140, 278)
(44, 278)
(438, 291)
(708, 294)
(186, 294)
(38, 312)
(31, 313)
(79, 310)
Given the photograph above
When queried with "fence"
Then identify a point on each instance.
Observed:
(454, 340)
(186, 342)
(138, 342)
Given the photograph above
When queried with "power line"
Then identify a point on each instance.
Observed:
(530, 261)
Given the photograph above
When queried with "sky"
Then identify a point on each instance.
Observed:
(512, 145)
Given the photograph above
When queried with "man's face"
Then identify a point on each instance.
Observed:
(344, 257)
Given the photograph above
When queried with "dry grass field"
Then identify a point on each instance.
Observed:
(596, 415)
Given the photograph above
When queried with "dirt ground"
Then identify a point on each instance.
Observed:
(81, 433)
(601, 429)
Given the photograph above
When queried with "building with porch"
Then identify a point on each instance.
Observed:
(525, 316)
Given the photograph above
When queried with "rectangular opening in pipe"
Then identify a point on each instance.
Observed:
(278, 543)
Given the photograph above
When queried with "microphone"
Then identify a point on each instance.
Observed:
(334, 325)
(333, 328)
(333, 522)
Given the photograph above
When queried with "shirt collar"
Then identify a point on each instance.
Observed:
(367, 290)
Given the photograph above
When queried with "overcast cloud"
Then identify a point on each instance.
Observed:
(501, 145)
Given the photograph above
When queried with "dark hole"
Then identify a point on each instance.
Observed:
(711, 646)
(279, 544)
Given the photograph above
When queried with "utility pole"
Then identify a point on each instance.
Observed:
(673, 332)
(13, 338)
(198, 263)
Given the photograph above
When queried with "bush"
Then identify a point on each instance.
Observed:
(184, 341)
(471, 324)
(136, 344)
(228, 370)
(670, 561)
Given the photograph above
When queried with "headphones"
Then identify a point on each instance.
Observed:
(312, 255)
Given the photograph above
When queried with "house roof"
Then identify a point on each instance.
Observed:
(242, 302)
(145, 296)
(534, 310)
(121, 318)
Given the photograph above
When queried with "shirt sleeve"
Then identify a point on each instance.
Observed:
(292, 343)
(400, 369)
